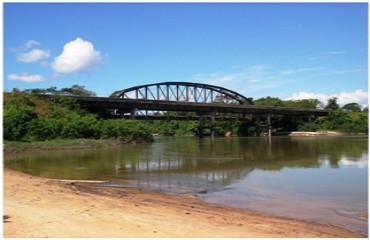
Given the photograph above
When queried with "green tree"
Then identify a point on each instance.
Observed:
(269, 101)
(27, 117)
(352, 107)
(77, 90)
(337, 119)
(303, 103)
(41, 129)
(16, 119)
(332, 104)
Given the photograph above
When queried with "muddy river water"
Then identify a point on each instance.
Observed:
(321, 179)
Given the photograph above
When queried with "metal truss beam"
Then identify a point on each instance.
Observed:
(183, 92)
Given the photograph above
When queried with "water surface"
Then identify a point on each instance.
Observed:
(322, 179)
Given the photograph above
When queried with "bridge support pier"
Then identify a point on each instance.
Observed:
(213, 125)
(269, 125)
(310, 117)
(133, 113)
(201, 126)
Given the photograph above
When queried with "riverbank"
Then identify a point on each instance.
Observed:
(11, 147)
(39, 207)
(310, 134)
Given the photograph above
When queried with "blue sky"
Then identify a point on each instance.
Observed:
(285, 50)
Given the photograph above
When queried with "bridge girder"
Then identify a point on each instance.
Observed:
(111, 103)
(183, 92)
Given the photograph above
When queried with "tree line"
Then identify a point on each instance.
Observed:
(27, 117)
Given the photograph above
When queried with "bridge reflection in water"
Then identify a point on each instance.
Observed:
(185, 165)
(166, 171)
(199, 161)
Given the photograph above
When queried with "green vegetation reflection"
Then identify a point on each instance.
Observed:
(191, 156)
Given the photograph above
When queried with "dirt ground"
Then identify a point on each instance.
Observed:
(37, 207)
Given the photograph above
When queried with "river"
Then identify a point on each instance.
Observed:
(321, 179)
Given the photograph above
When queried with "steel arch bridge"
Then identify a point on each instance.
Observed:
(183, 92)
(185, 101)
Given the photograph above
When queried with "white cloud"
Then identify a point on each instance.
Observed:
(296, 71)
(329, 53)
(358, 96)
(33, 55)
(77, 56)
(242, 78)
(31, 43)
(316, 56)
(25, 77)
(26, 54)
(345, 71)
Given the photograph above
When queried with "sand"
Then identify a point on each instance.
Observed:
(37, 207)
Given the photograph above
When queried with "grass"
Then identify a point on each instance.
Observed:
(58, 144)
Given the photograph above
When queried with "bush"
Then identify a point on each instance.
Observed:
(44, 129)
(309, 127)
(16, 119)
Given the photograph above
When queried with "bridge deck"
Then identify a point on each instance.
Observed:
(156, 105)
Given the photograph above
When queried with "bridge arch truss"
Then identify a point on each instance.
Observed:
(183, 92)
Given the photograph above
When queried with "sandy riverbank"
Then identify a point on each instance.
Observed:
(38, 207)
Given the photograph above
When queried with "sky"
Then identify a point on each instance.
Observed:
(284, 50)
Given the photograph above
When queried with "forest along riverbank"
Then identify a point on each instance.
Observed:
(41, 207)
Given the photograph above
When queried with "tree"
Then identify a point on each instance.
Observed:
(337, 119)
(269, 101)
(27, 117)
(77, 90)
(303, 103)
(16, 119)
(352, 107)
(332, 104)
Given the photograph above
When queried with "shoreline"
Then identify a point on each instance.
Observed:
(42, 207)
(14, 147)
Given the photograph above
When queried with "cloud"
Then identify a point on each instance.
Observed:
(345, 71)
(358, 96)
(26, 54)
(33, 56)
(316, 56)
(296, 71)
(77, 56)
(242, 78)
(25, 77)
(329, 53)
(31, 43)
(264, 79)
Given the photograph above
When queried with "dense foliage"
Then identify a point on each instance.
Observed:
(349, 118)
(27, 117)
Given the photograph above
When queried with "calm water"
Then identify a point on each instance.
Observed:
(322, 179)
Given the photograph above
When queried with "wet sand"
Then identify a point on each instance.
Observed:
(39, 207)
